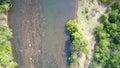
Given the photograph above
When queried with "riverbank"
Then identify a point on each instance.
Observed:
(87, 16)
(3, 18)
(6, 55)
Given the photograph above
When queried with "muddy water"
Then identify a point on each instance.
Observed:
(40, 38)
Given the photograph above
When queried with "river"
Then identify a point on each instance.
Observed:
(40, 39)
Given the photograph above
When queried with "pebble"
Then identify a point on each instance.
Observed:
(30, 45)
(21, 50)
(30, 58)
(44, 18)
(31, 66)
(39, 51)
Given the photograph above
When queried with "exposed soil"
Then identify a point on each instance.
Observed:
(3, 18)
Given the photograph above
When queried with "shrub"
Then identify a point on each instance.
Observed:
(97, 56)
(76, 35)
(85, 50)
(114, 61)
(4, 5)
(6, 58)
(86, 10)
(103, 43)
(108, 37)
(104, 1)
(115, 6)
(73, 58)
(95, 65)
(113, 16)
(79, 42)
(5, 33)
(72, 26)
(104, 18)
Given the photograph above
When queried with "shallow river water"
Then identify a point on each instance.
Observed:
(40, 39)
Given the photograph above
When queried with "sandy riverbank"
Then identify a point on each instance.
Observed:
(3, 18)
(87, 15)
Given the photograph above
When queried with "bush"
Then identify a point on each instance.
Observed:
(115, 6)
(117, 39)
(86, 10)
(73, 58)
(5, 33)
(4, 8)
(97, 56)
(76, 35)
(105, 1)
(103, 43)
(108, 37)
(72, 26)
(85, 50)
(79, 42)
(114, 61)
(6, 58)
(4, 5)
(95, 65)
(113, 16)
(104, 18)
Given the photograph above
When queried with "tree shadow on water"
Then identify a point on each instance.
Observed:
(67, 46)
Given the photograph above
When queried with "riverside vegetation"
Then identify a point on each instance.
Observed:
(6, 57)
(107, 35)
(78, 40)
(107, 51)
(5, 5)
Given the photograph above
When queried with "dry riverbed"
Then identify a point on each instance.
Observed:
(88, 14)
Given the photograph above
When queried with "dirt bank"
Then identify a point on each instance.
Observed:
(3, 18)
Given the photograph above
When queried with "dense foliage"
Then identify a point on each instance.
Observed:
(107, 52)
(104, 1)
(79, 42)
(5, 5)
(6, 58)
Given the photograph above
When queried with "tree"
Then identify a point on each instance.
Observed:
(113, 16)
(117, 38)
(114, 61)
(104, 18)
